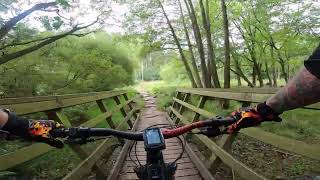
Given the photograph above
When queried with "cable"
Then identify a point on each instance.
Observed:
(183, 149)
(135, 152)
(130, 154)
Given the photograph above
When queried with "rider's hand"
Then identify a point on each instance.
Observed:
(39, 130)
(33, 130)
(248, 117)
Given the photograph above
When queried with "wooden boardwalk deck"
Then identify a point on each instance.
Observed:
(149, 116)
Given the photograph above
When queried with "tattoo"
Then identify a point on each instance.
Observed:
(302, 90)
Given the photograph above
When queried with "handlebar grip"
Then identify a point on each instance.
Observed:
(60, 132)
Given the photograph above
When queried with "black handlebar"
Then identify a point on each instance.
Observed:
(84, 132)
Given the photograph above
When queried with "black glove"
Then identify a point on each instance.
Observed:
(248, 117)
(33, 130)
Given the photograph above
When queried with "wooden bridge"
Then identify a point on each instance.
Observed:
(182, 111)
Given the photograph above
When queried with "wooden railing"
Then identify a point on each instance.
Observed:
(52, 106)
(220, 149)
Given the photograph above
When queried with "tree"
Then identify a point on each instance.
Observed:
(183, 58)
(13, 46)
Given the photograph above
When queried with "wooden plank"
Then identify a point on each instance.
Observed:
(123, 112)
(225, 143)
(101, 117)
(122, 156)
(185, 99)
(22, 155)
(298, 147)
(84, 167)
(237, 95)
(174, 102)
(243, 170)
(56, 115)
(57, 102)
(39, 149)
(238, 89)
(130, 106)
(204, 172)
(239, 167)
(103, 109)
(194, 108)
(201, 103)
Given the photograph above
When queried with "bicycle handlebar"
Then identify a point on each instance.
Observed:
(84, 133)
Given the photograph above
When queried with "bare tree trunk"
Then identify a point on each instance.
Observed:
(237, 71)
(226, 50)
(193, 60)
(197, 35)
(274, 76)
(226, 45)
(254, 74)
(212, 67)
(184, 60)
(13, 21)
(268, 74)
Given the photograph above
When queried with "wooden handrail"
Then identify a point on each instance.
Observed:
(52, 105)
(242, 95)
(237, 94)
(21, 106)
(225, 157)
(298, 147)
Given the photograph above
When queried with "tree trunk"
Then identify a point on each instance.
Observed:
(268, 74)
(226, 45)
(226, 50)
(212, 67)
(237, 71)
(13, 21)
(185, 62)
(283, 70)
(254, 74)
(274, 76)
(193, 60)
(197, 35)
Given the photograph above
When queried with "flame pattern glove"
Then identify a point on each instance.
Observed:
(248, 117)
(33, 130)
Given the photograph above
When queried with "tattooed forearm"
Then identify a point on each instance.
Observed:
(302, 90)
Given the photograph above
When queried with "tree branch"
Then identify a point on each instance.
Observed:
(13, 21)
(7, 57)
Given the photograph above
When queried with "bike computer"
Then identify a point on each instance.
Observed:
(153, 139)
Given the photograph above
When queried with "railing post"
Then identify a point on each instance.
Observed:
(174, 104)
(123, 112)
(201, 103)
(186, 98)
(59, 117)
(130, 106)
(225, 143)
(103, 109)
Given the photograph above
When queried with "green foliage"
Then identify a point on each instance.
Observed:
(174, 71)
(91, 63)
